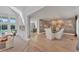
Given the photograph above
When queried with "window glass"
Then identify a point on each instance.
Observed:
(0, 27)
(12, 27)
(0, 19)
(12, 21)
(5, 20)
(4, 27)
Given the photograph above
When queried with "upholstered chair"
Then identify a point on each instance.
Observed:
(59, 34)
(9, 42)
(48, 33)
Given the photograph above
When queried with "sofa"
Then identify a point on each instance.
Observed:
(50, 35)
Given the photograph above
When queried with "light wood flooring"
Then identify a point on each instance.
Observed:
(40, 43)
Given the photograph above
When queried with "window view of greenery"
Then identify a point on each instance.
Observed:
(7, 24)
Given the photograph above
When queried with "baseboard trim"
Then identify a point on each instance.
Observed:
(69, 33)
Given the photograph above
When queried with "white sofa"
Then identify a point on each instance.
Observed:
(10, 37)
(59, 34)
(10, 41)
(50, 35)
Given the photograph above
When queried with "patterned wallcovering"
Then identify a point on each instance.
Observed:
(69, 25)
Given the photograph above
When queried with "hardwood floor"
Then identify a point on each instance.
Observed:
(40, 43)
(19, 45)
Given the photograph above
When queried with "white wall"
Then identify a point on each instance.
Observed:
(26, 11)
(77, 31)
(77, 27)
(19, 23)
(34, 20)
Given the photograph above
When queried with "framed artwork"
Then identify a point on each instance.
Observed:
(22, 27)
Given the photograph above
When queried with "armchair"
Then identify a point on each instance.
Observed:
(50, 35)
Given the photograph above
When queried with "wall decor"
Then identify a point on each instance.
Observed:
(22, 27)
(69, 25)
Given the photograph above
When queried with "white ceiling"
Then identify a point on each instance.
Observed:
(22, 8)
(43, 12)
(4, 10)
(28, 9)
(59, 11)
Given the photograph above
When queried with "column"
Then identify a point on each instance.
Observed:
(24, 34)
(9, 30)
(38, 26)
(27, 28)
(77, 31)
